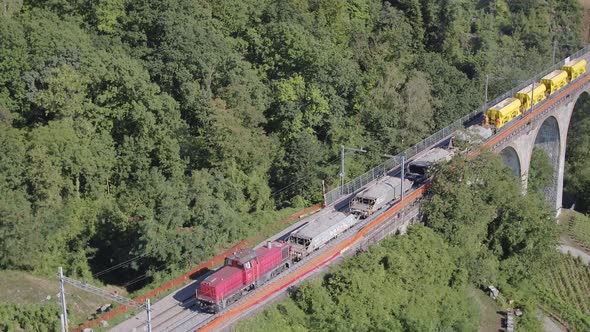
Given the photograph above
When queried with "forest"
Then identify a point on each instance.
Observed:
(160, 132)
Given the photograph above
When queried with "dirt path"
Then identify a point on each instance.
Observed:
(549, 325)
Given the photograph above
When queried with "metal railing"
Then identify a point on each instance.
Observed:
(349, 188)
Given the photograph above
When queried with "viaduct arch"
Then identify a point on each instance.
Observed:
(548, 131)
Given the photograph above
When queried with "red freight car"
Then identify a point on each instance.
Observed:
(242, 272)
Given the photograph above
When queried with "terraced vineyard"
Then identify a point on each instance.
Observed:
(566, 293)
(579, 229)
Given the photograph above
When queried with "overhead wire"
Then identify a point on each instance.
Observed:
(114, 267)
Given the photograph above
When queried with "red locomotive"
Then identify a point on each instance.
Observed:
(242, 272)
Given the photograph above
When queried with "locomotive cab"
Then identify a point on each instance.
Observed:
(361, 204)
(247, 262)
(418, 171)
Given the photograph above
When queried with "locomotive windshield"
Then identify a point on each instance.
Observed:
(229, 262)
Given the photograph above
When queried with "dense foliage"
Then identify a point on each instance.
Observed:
(500, 235)
(124, 122)
(29, 318)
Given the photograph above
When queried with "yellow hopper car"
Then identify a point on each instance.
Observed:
(503, 112)
(555, 80)
(531, 95)
(574, 68)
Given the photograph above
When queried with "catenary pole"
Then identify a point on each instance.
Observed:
(63, 301)
(341, 169)
(403, 177)
(149, 315)
(554, 49)
(342, 150)
(487, 82)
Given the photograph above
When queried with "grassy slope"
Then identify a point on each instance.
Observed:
(577, 227)
(490, 320)
(22, 288)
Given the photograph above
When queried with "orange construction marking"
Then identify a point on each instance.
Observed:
(332, 253)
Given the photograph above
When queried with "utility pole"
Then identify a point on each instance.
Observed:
(64, 315)
(532, 94)
(403, 170)
(554, 48)
(487, 81)
(324, 192)
(149, 315)
(403, 177)
(342, 150)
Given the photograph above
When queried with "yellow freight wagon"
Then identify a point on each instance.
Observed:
(574, 68)
(555, 80)
(531, 95)
(503, 112)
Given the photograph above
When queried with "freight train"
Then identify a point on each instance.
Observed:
(386, 190)
(318, 232)
(249, 268)
(506, 110)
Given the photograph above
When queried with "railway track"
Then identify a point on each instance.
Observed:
(170, 315)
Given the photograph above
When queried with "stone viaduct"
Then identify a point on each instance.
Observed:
(545, 127)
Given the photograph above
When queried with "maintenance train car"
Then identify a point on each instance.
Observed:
(377, 196)
(242, 272)
(503, 112)
(318, 232)
(531, 95)
(574, 68)
(417, 170)
(554, 81)
(506, 110)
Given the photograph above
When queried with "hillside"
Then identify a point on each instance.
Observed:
(28, 291)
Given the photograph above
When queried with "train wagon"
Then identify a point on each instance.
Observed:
(574, 68)
(377, 196)
(475, 134)
(503, 112)
(318, 232)
(242, 272)
(554, 81)
(417, 170)
(531, 95)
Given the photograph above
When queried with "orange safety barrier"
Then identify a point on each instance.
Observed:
(197, 271)
(334, 252)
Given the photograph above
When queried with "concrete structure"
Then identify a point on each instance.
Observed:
(546, 129)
